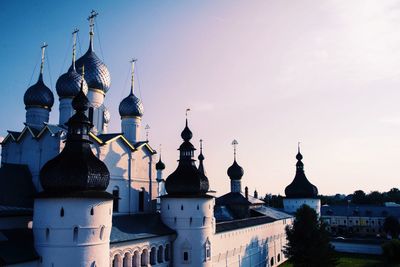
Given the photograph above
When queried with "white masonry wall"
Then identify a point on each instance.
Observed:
(291, 205)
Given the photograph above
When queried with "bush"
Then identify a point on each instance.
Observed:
(391, 251)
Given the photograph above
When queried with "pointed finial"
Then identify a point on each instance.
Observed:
(298, 147)
(74, 47)
(299, 156)
(234, 144)
(132, 75)
(186, 114)
(93, 15)
(147, 128)
(201, 146)
(160, 148)
(43, 47)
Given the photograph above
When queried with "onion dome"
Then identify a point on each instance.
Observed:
(186, 180)
(76, 169)
(160, 165)
(68, 85)
(235, 171)
(39, 95)
(131, 106)
(300, 186)
(97, 75)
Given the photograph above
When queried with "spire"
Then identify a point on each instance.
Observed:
(74, 47)
(234, 144)
(201, 159)
(132, 75)
(91, 18)
(160, 165)
(43, 47)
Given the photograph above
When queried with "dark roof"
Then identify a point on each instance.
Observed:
(10, 211)
(17, 189)
(76, 168)
(16, 246)
(300, 186)
(243, 223)
(272, 213)
(236, 198)
(106, 137)
(360, 210)
(138, 226)
(222, 213)
(14, 134)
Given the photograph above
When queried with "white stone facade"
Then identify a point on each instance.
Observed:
(291, 205)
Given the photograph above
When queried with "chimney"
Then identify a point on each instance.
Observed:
(246, 192)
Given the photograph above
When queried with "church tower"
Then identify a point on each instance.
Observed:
(38, 99)
(188, 209)
(73, 213)
(98, 81)
(301, 191)
(131, 112)
(68, 86)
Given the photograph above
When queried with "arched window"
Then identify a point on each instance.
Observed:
(135, 259)
(62, 212)
(166, 252)
(102, 232)
(75, 236)
(272, 261)
(207, 250)
(115, 193)
(153, 256)
(141, 200)
(186, 252)
(92, 211)
(144, 258)
(279, 257)
(116, 261)
(126, 260)
(160, 254)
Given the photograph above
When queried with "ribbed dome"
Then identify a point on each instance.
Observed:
(300, 186)
(39, 95)
(186, 180)
(76, 168)
(97, 75)
(69, 84)
(131, 106)
(235, 172)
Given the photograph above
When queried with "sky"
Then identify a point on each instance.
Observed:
(267, 73)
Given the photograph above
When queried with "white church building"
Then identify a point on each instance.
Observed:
(75, 195)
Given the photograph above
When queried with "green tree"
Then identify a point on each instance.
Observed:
(392, 226)
(308, 241)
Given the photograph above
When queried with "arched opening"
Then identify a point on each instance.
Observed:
(126, 260)
(153, 256)
(62, 212)
(141, 200)
(207, 250)
(272, 261)
(102, 232)
(279, 257)
(115, 193)
(116, 261)
(75, 235)
(135, 259)
(144, 258)
(92, 211)
(47, 234)
(160, 254)
(166, 252)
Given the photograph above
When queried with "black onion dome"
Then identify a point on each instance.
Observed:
(235, 172)
(186, 180)
(300, 186)
(76, 168)
(131, 106)
(160, 165)
(39, 95)
(69, 84)
(97, 75)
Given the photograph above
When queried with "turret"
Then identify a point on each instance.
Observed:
(98, 81)
(72, 215)
(131, 112)
(235, 172)
(38, 99)
(68, 86)
(189, 209)
(300, 191)
(160, 166)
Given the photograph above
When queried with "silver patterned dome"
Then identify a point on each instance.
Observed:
(69, 84)
(131, 106)
(97, 75)
(39, 95)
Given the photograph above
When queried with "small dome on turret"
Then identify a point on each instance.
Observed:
(160, 165)
(39, 95)
(69, 84)
(300, 187)
(235, 172)
(131, 106)
(76, 168)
